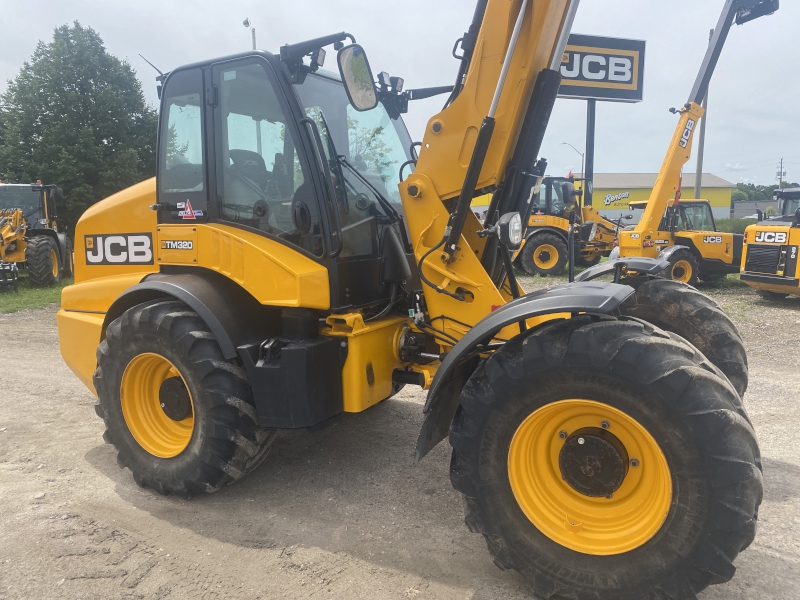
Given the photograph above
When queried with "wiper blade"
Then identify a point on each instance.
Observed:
(381, 198)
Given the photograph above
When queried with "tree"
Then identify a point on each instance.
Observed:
(75, 116)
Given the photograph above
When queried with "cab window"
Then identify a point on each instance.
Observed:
(696, 217)
(181, 173)
(263, 183)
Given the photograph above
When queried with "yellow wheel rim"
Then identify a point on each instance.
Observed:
(545, 256)
(591, 525)
(54, 261)
(147, 421)
(682, 271)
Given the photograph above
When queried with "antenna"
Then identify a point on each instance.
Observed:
(161, 77)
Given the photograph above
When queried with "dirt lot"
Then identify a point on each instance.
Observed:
(344, 513)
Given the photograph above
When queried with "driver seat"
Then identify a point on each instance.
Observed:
(251, 165)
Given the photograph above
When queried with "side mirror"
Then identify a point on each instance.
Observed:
(797, 216)
(629, 217)
(760, 215)
(509, 227)
(56, 194)
(567, 191)
(589, 186)
(588, 231)
(357, 78)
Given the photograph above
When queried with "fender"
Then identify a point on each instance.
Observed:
(647, 266)
(445, 392)
(58, 237)
(233, 315)
(666, 254)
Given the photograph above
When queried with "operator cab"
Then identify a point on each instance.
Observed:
(557, 198)
(36, 201)
(274, 146)
(686, 215)
(789, 202)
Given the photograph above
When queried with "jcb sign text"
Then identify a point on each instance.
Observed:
(603, 68)
(119, 249)
(771, 237)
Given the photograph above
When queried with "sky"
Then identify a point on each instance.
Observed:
(753, 100)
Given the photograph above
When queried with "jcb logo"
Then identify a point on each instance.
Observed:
(712, 239)
(119, 249)
(771, 237)
(176, 245)
(687, 133)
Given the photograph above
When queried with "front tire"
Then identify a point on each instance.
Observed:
(544, 254)
(41, 261)
(694, 508)
(683, 267)
(181, 416)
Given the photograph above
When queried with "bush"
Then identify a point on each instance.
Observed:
(734, 225)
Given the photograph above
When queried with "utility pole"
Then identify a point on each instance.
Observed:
(781, 175)
(591, 117)
(701, 144)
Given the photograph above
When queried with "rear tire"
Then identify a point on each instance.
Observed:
(682, 267)
(544, 254)
(676, 307)
(224, 442)
(41, 261)
(680, 399)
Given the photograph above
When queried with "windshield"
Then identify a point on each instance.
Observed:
(374, 144)
(12, 197)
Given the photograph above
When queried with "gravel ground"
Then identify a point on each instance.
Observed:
(343, 513)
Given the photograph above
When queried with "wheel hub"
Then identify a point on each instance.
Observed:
(544, 256)
(593, 462)
(174, 399)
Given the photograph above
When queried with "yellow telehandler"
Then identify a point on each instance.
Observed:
(683, 233)
(280, 270)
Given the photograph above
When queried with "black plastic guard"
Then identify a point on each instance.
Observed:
(444, 395)
(647, 266)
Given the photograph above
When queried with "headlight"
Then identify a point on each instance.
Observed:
(510, 226)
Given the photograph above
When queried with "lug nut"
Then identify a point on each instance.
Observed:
(634, 462)
(605, 424)
(562, 434)
(581, 440)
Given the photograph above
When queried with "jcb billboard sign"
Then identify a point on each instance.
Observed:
(603, 68)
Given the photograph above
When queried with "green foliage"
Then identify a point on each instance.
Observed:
(368, 143)
(748, 192)
(29, 297)
(75, 116)
(734, 225)
(770, 211)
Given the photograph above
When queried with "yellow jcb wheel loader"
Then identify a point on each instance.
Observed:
(545, 251)
(29, 235)
(771, 247)
(280, 271)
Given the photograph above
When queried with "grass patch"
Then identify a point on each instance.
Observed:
(734, 225)
(29, 297)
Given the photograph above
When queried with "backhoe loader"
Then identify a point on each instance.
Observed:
(545, 250)
(684, 234)
(295, 259)
(769, 263)
(29, 235)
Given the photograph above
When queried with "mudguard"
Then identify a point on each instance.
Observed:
(647, 266)
(539, 229)
(665, 254)
(444, 395)
(233, 315)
